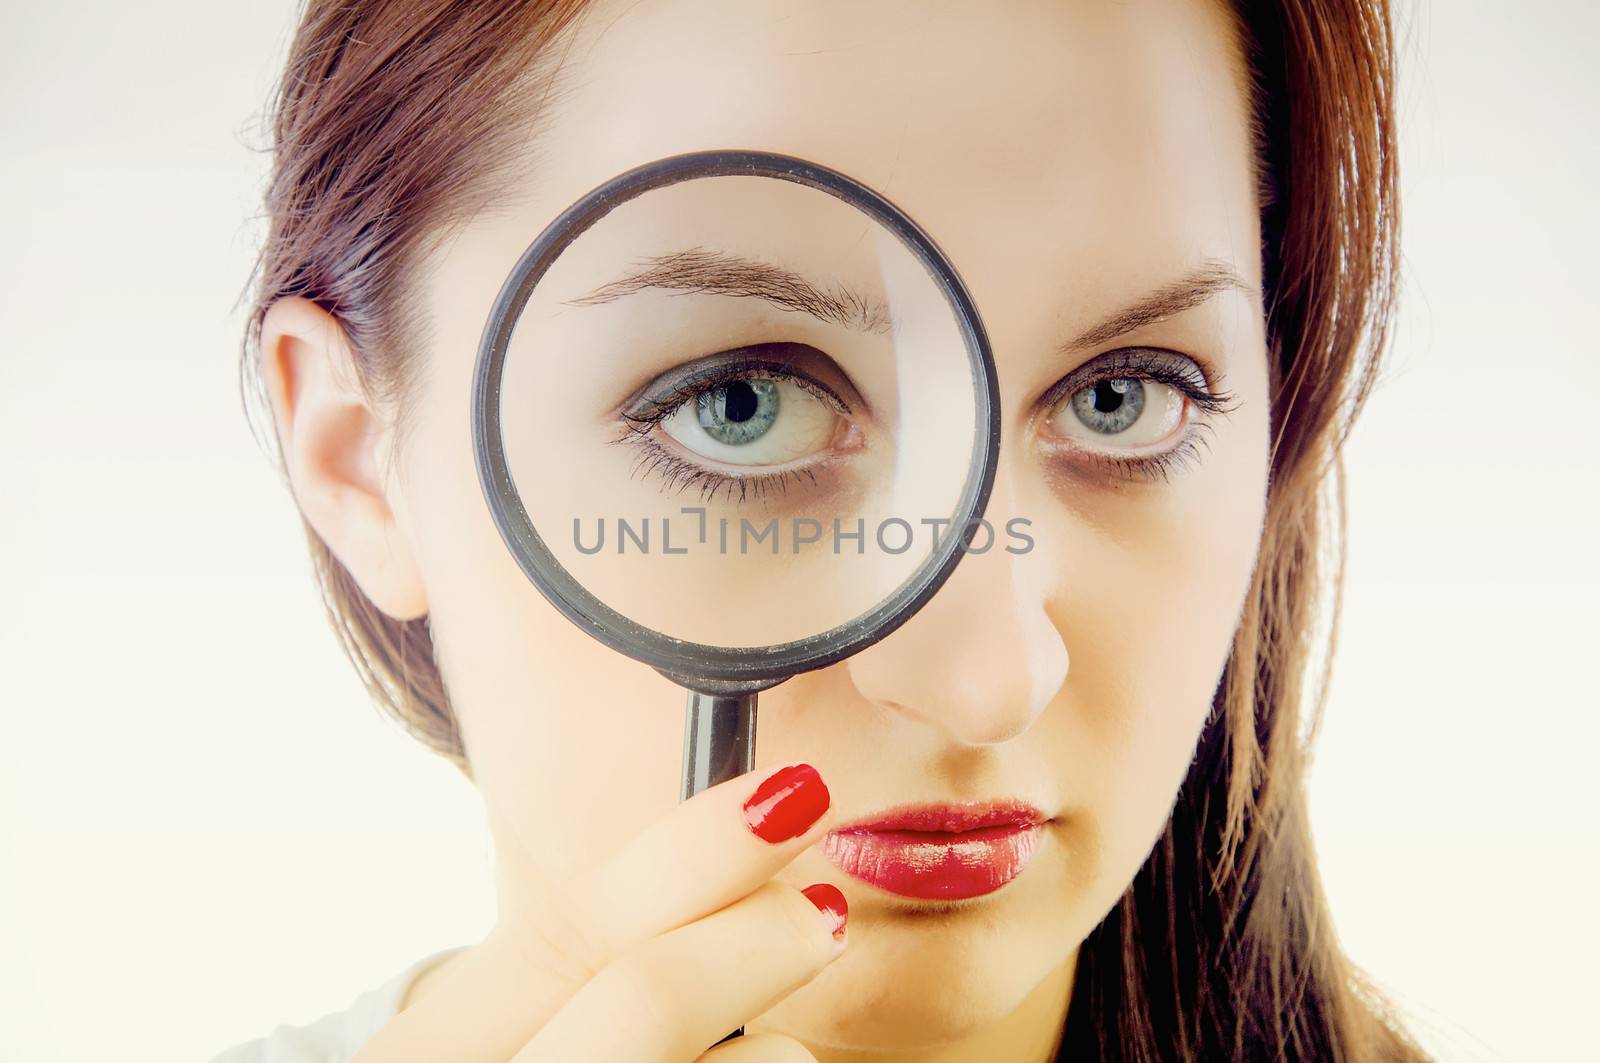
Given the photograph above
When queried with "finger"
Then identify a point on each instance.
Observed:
(700, 857)
(759, 1048)
(707, 853)
(673, 996)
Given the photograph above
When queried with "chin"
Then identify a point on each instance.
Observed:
(915, 981)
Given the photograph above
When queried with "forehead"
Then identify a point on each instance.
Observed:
(1029, 137)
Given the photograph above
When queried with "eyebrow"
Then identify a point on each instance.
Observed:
(699, 270)
(1183, 294)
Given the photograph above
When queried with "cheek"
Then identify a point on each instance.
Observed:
(540, 702)
(1152, 600)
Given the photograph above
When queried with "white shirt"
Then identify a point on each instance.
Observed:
(335, 1037)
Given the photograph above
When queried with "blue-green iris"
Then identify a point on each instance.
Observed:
(740, 411)
(1111, 406)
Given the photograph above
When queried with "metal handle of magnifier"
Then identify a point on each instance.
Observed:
(719, 729)
(719, 737)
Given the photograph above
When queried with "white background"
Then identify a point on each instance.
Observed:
(205, 830)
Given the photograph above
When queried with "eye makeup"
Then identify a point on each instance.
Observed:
(724, 404)
(807, 366)
(1136, 414)
(1104, 416)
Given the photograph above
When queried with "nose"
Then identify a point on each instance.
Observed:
(982, 658)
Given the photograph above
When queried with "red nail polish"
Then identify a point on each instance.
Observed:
(786, 804)
(830, 901)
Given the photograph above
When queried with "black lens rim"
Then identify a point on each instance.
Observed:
(665, 653)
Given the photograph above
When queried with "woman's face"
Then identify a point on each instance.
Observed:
(1087, 169)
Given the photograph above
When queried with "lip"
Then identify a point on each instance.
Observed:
(939, 852)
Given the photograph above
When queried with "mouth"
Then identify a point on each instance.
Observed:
(942, 852)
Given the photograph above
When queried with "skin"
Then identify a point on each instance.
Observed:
(1071, 159)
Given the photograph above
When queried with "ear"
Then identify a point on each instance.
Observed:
(334, 445)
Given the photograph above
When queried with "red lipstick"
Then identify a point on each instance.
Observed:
(941, 852)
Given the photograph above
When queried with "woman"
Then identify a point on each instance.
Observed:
(1177, 219)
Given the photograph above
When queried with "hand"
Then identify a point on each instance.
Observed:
(653, 955)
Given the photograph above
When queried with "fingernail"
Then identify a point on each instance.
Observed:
(786, 804)
(830, 901)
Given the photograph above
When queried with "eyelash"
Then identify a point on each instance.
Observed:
(1185, 455)
(1149, 364)
(693, 385)
(1152, 364)
(681, 474)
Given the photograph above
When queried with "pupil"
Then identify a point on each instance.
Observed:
(1107, 397)
(739, 401)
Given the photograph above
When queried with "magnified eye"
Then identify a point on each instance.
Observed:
(760, 417)
(753, 421)
(1123, 412)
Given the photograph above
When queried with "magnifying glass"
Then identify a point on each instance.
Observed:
(735, 415)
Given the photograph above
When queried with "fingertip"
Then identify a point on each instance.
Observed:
(830, 901)
(787, 803)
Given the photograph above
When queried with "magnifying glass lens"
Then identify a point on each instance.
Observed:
(739, 411)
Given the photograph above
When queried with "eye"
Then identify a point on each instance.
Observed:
(1122, 412)
(747, 421)
(753, 421)
(1138, 413)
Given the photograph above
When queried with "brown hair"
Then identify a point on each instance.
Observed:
(390, 123)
